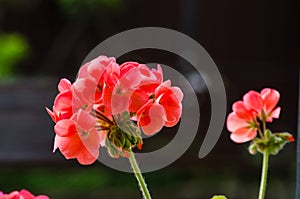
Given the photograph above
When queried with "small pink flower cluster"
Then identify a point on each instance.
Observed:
(23, 194)
(83, 111)
(243, 121)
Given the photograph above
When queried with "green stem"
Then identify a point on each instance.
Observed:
(264, 174)
(139, 176)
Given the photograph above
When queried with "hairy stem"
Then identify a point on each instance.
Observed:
(264, 174)
(139, 176)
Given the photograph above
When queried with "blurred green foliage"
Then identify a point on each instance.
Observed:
(88, 8)
(13, 49)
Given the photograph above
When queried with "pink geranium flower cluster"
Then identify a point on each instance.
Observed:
(243, 121)
(84, 112)
(23, 194)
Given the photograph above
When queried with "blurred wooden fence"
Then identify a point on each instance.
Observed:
(25, 128)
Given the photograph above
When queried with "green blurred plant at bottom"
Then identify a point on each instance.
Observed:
(219, 197)
(13, 49)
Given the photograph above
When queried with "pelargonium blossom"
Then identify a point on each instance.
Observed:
(23, 194)
(263, 103)
(78, 138)
(87, 113)
(243, 121)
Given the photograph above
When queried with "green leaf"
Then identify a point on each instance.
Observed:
(268, 134)
(274, 142)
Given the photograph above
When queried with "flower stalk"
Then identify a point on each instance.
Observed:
(264, 174)
(139, 176)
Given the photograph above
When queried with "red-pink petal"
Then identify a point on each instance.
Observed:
(253, 100)
(70, 146)
(137, 99)
(235, 122)
(131, 79)
(120, 103)
(172, 117)
(24, 194)
(156, 116)
(65, 128)
(242, 111)
(243, 135)
(84, 120)
(126, 66)
(41, 197)
(52, 115)
(87, 90)
(85, 158)
(91, 142)
(270, 98)
(64, 85)
(274, 114)
(63, 101)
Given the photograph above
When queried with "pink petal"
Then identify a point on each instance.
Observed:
(158, 73)
(274, 114)
(91, 142)
(84, 120)
(253, 100)
(138, 99)
(243, 135)
(95, 70)
(172, 117)
(85, 158)
(26, 194)
(65, 127)
(270, 98)
(156, 116)
(130, 79)
(70, 146)
(52, 115)
(87, 90)
(126, 66)
(64, 85)
(63, 101)
(41, 197)
(178, 93)
(120, 103)
(235, 122)
(242, 111)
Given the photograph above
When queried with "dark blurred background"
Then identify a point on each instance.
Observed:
(255, 44)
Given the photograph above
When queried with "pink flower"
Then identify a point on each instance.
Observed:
(65, 103)
(93, 76)
(83, 111)
(133, 76)
(77, 137)
(263, 103)
(23, 194)
(242, 123)
(163, 108)
(146, 76)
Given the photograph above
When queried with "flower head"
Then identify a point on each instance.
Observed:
(263, 103)
(78, 138)
(243, 121)
(101, 107)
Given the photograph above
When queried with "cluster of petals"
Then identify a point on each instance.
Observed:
(243, 121)
(23, 194)
(105, 86)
